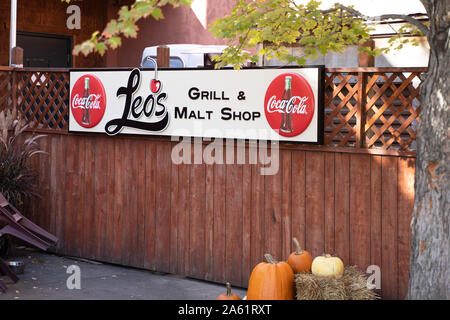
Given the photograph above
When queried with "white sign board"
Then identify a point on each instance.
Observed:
(268, 104)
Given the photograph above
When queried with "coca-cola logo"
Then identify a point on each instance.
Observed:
(88, 101)
(289, 104)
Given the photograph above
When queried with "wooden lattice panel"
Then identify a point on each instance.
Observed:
(5, 90)
(43, 98)
(341, 91)
(392, 110)
(371, 109)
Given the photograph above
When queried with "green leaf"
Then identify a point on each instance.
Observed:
(100, 47)
(129, 29)
(157, 13)
(111, 29)
(124, 13)
(114, 42)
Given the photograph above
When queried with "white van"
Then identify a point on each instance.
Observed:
(184, 55)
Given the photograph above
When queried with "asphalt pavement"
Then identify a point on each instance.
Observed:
(51, 277)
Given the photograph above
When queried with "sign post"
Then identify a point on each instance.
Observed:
(13, 30)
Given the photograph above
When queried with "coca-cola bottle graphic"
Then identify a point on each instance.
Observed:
(86, 119)
(286, 115)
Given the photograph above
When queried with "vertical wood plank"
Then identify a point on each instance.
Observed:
(197, 220)
(389, 267)
(209, 221)
(375, 212)
(246, 220)
(129, 238)
(220, 200)
(43, 213)
(183, 218)
(89, 203)
(72, 185)
(162, 239)
(272, 212)
(150, 214)
(257, 218)
(174, 214)
(286, 201)
(233, 244)
(125, 254)
(101, 197)
(54, 165)
(298, 198)
(111, 203)
(405, 209)
(79, 191)
(141, 173)
(315, 233)
(359, 210)
(117, 219)
(32, 208)
(328, 201)
(342, 206)
(61, 187)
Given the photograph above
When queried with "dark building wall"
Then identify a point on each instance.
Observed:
(49, 16)
(180, 25)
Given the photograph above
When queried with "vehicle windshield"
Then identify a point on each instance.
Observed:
(175, 62)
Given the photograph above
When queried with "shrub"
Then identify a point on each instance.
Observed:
(17, 176)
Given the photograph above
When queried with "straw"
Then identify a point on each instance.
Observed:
(351, 286)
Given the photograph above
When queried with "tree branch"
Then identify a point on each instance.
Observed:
(409, 19)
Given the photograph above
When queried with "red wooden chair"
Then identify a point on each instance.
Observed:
(12, 213)
(4, 269)
(15, 224)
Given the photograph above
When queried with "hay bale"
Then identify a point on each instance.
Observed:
(350, 286)
(356, 282)
(332, 288)
(307, 287)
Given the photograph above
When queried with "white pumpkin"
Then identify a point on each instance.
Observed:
(327, 266)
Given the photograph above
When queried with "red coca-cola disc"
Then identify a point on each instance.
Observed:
(96, 105)
(301, 107)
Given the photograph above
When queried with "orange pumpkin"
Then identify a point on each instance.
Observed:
(271, 280)
(228, 295)
(300, 260)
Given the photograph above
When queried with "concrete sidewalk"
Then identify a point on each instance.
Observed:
(45, 278)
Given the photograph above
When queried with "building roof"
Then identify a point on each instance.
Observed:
(377, 7)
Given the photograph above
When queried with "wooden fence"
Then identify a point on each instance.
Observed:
(122, 200)
(42, 96)
(375, 108)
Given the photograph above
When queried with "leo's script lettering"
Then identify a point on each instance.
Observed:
(134, 106)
